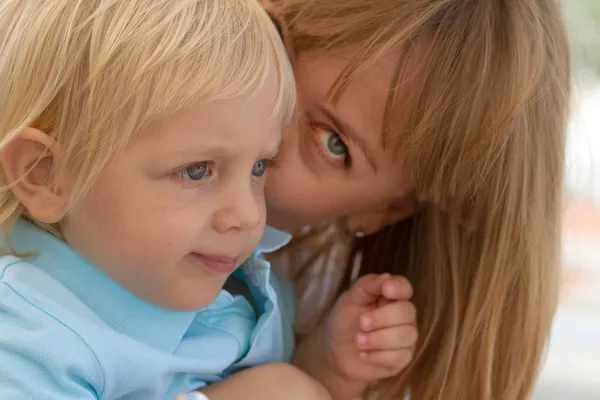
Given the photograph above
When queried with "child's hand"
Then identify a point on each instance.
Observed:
(371, 332)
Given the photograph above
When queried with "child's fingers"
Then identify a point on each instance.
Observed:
(395, 338)
(368, 289)
(389, 362)
(397, 288)
(392, 314)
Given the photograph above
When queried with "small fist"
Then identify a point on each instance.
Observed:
(371, 332)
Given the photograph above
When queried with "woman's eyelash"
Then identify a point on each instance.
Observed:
(347, 158)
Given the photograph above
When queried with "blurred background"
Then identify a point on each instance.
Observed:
(572, 367)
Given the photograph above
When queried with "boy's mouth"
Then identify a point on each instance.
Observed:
(217, 263)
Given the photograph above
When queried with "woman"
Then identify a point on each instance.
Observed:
(434, 131)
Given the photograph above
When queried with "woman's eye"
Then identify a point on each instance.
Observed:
(333, 145)
(259, 168)
(195, 172)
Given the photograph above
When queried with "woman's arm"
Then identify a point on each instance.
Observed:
(275, 381)
(309, 356)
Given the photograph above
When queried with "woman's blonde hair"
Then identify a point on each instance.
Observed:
(482, 138)
(90, 73)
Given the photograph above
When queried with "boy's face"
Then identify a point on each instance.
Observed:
(183, 206)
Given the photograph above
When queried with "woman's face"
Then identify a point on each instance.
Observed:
(332, 164)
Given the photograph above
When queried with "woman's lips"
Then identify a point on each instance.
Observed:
(218, 264)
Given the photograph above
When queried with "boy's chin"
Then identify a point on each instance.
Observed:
(192, 299)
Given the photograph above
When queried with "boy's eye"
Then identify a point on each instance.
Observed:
(259, 168)
(196, 171)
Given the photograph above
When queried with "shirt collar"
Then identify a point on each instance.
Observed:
(118, 308)
(272, 240)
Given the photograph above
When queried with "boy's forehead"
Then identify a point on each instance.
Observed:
(224, 128)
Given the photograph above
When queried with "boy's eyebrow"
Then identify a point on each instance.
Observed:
(219, 151)
(224, 151)
(347, 131)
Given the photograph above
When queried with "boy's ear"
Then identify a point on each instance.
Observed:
(27, 162)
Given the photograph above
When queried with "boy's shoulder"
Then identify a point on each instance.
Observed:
(38, 289)
(34, 326)
(52, 343)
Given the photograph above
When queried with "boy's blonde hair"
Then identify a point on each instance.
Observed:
(90, 73)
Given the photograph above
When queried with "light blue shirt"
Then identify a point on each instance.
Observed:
(67, 331)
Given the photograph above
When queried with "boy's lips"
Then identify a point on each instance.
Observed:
(217, 263)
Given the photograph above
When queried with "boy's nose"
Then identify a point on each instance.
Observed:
(241, 212)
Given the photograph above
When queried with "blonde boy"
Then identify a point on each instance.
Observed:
(134, 139)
